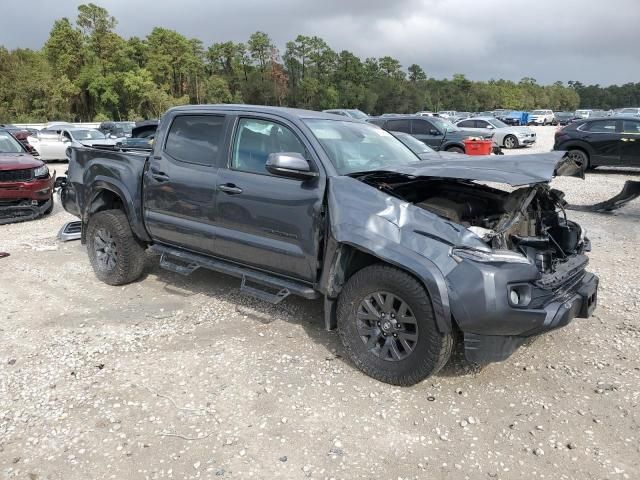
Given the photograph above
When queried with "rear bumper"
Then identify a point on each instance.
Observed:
(493, 327)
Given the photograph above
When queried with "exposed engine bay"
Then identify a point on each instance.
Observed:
(530, 220)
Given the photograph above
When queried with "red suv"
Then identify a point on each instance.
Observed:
(26, 187)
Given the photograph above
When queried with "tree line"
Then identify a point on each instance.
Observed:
(87, 72)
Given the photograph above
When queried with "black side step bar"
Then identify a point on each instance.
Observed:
(185, 263)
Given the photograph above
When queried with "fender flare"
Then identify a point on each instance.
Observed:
(115, 186)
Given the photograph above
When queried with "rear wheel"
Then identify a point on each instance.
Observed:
(387, 326)
(580, 157)
(455, 149)
(115, 254)
(510, 141)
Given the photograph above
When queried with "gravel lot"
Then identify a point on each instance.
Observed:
(174, 377)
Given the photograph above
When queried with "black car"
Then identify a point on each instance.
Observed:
(564, 118)
(595, 142)
(437, 133)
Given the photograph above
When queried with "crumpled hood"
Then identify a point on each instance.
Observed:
(514, 170)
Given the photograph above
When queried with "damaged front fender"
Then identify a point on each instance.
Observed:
(399, 233)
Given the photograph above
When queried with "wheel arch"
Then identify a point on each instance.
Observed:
(345, 259)
(111, 196)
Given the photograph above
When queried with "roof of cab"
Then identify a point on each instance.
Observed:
(285, 112)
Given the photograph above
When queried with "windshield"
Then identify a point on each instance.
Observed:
(87, 135)
(415, 145)
(357, 114)
(359, 147)
(8, 144)
(496, 123)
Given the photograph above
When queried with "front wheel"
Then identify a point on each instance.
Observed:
(115, 254)
(510, 141)
(580, 157)
(387, 326)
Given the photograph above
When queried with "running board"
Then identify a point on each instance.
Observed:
(185, 263)
(70, 231)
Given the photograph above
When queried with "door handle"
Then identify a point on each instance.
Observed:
(158, 175)
(230, 188)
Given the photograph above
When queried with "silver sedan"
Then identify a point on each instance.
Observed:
(503, 135)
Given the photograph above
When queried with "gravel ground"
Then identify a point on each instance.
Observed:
(174, 377)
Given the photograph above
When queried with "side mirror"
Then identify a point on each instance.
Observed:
(65, 140)
(490, 127)
(433, 131)
(290, 165)
(113, 136)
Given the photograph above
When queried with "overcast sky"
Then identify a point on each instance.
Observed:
(593, 41)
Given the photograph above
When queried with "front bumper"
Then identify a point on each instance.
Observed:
(21, 201)
(528, 140)
(494, 328)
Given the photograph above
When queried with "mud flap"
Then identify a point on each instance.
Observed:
(630, 191)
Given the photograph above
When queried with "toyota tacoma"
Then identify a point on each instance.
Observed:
(406, 253)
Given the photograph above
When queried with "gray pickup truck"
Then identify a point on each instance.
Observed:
(406, 253)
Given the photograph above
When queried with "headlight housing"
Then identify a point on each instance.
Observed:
(41, 172)
(493, 256)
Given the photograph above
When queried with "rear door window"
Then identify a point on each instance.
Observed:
(196, 139)
(467, 124)
(398, 126)
(602, 126)
(422, 127)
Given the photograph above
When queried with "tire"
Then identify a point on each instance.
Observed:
(455, 150)
(511, 142)
(580, 157)
(428, 349)
(124, 258)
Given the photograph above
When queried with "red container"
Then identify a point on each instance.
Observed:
(477, 147)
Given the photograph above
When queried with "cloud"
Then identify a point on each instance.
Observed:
(586, 40)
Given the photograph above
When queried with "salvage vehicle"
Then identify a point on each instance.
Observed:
(542, 117)
(405, 253)
(594, 142)
(516, 118)
(504, 135)
(53, 144)
(564, 118)
(435, 132)
(26, 186)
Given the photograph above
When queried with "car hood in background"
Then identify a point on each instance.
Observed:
(18, 161)
(522, 129)
(513, 170)
(100, 141)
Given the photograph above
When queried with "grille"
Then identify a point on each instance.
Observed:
(16, 175)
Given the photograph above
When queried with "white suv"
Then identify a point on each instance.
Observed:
(542, 117)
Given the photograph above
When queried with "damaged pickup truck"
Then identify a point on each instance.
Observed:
(406, 253)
